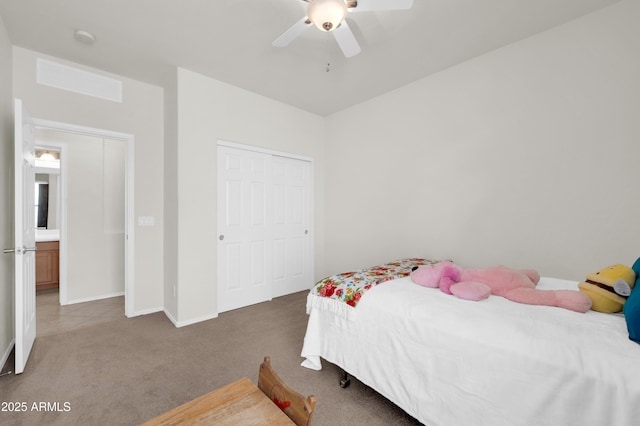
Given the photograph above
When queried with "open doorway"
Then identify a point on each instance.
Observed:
(94, 227)
(47, 217)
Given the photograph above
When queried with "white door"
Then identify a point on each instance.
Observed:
(264, 235)
(244, 232)
(25, 273)
(291, 242)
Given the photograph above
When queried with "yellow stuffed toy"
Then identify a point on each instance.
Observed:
(609, 288)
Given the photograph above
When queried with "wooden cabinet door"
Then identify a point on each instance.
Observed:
(47, 265)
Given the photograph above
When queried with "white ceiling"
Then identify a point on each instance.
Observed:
(230, 40)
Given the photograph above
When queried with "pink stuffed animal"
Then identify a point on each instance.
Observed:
(513, 284)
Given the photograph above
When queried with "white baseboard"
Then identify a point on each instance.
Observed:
(93, 299)
(119, 294)
(179, 324)
(171, 318)
(146, 312)
(175, 322)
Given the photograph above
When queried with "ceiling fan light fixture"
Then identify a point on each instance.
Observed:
(327, 14)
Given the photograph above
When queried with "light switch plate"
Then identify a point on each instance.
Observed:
(146, 221)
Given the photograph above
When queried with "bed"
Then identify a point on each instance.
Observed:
(448, 361)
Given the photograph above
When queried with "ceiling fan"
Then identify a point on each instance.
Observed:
(329, 16)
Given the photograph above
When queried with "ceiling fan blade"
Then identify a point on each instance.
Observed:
(346, 40)
(371, 5)
(292, 33)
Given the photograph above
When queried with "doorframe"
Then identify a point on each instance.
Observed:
(236, 145)
(129, 250)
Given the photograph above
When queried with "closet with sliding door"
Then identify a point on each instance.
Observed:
(265, 239)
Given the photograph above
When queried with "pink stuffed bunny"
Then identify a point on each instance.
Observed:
(513, 284)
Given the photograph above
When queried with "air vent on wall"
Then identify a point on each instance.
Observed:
(79, 81)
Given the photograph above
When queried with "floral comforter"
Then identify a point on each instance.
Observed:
(349, 287)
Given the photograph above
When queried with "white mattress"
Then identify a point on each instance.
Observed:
(450, 362)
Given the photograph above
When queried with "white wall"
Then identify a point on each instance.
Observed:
(171, 197)
(6, 193)
(209, 110)
(95, 218)
(141, 114)
(526, 156)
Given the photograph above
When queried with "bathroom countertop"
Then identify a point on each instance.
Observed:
(47, 235)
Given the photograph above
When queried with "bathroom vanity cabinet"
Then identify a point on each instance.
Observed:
(47, 265)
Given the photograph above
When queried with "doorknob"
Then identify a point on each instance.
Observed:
(221, 237)
(7, 251)
(26, 249)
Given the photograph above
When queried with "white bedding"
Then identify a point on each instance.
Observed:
(450, 362)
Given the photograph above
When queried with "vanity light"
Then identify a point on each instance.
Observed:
(47, 156)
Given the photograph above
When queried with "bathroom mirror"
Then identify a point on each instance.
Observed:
(47, 193)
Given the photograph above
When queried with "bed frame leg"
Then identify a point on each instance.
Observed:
(346, 380)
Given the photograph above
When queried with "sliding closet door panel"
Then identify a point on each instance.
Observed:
(292, 263)
(233, 209)
(258, 253)
(280, 248)
(279, 256)
(264, 208)
(233, 266)
(300, 251)
(244, 234)
(257, 197)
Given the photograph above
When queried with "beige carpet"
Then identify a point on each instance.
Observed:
(53, 318)
(125, 371)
